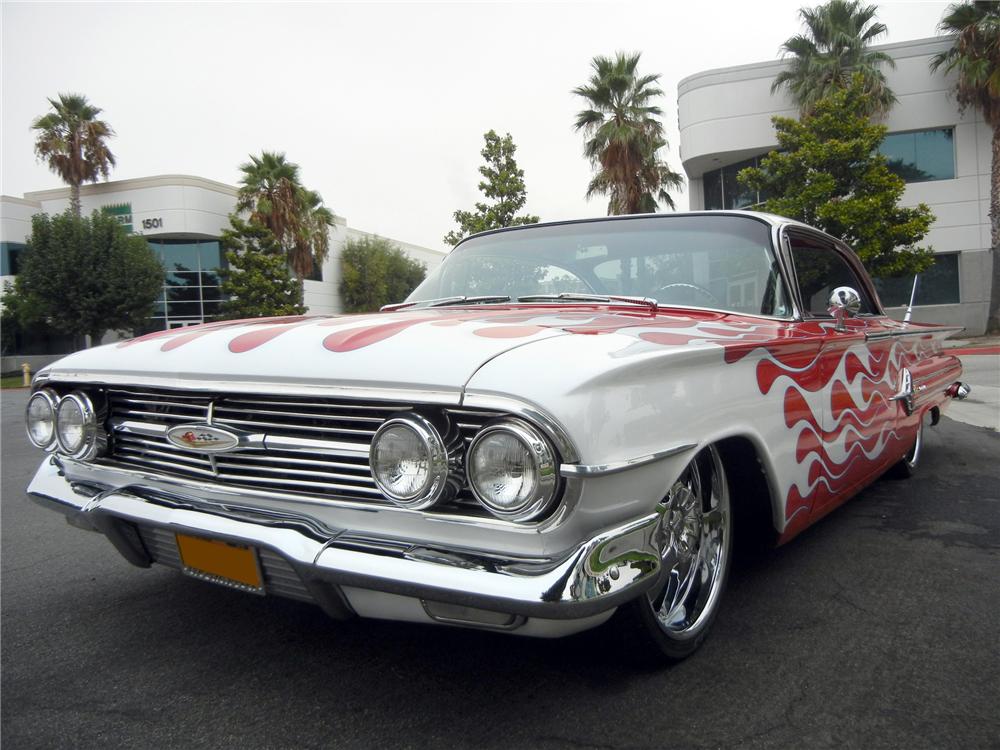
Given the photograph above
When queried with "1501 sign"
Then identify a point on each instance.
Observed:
(156, 223)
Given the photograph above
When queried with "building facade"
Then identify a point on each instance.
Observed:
(182, 218)
(944, 156)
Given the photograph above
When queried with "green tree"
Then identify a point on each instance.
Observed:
(829, 173)
(74, 143)
(86, 276)
(974, 57)
(257, 280)
(375, 272)
(271, 191)
(503, 185)
(623, 136)
(834, 48)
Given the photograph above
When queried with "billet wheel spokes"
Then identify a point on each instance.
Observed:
(694, 542)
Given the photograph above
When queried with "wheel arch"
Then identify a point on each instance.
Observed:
(757, 507)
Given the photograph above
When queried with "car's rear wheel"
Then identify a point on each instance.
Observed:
(694, 537)
(907, 465)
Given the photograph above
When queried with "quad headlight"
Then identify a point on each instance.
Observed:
(409, 461)
(512, 470)
(76, 426)
(67, 424)
(40, 418)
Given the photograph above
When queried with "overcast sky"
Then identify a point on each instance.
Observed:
(382, 105)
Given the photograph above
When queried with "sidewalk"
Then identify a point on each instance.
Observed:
(974, 345)
(980, 357)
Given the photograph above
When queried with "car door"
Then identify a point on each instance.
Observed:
(858, 374)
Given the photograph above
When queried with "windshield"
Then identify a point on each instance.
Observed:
(712, 261)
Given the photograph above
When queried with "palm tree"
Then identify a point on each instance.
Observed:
(833, 49)
(269, 190)
(275, 197)
(313, 241)
(974, 57)
(624, 136)
(74, 143)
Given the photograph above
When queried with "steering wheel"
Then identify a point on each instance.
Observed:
(695, 287)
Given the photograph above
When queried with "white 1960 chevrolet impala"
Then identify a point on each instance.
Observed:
(564, 421)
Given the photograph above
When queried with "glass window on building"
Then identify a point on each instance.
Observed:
(9, 252)
(921, 155)
(722, 190)
(938, 285)
(191, 292)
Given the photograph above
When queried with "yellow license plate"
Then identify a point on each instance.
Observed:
(222, 562)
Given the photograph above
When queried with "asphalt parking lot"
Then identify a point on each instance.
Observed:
(876, 628)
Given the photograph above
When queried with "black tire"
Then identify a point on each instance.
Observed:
(695, 534)
(907, 466)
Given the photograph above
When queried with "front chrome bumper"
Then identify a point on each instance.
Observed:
(450, 584)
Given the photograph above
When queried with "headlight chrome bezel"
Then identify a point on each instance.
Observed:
(93, 437)
(434, 487)
(51, 399)
(546, 467)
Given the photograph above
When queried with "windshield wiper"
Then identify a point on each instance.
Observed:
(577, 297)
(445, 301)
(483, 299)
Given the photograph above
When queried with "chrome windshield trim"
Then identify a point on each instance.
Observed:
(597, 470)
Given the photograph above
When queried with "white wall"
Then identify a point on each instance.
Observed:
(724, 117)
(323, 297)
(15, 225)
(186, 207)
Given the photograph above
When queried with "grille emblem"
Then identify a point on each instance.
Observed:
(203, 438)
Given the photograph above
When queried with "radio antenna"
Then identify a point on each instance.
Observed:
(913, 296)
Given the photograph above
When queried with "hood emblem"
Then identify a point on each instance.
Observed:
(202, 437)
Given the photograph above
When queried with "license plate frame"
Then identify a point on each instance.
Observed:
(218, 561)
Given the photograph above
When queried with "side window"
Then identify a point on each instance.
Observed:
(819, 269)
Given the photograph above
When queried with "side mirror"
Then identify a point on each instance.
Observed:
(844, 303)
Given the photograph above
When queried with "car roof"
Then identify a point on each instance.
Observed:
(771, 219)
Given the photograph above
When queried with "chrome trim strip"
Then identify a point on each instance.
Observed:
(597, 470)
(313, 445)
(270, 442)
(132, 427)
(409, 395)
(924, 332)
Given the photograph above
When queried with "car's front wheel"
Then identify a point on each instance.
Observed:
(694, 537)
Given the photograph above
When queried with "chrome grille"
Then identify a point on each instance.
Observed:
(311, 446)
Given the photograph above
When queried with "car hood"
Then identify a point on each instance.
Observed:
(427, 350)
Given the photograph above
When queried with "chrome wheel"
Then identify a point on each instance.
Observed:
(694, 537)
